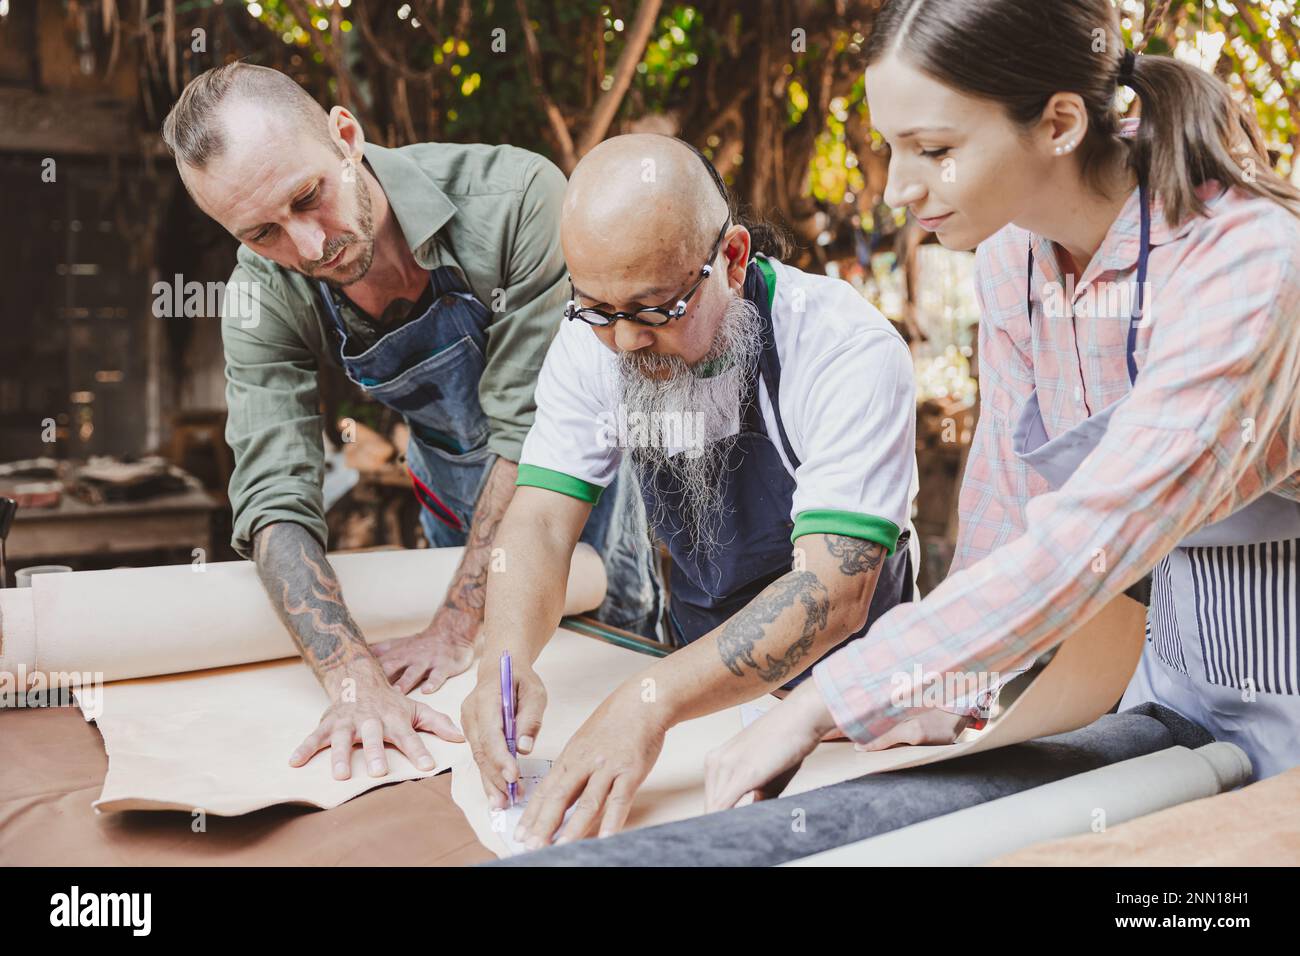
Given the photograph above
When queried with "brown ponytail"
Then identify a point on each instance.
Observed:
(1192, 130)
(1020, 53)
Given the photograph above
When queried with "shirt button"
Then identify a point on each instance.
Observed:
(1078, 394)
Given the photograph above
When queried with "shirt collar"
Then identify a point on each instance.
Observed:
(1121, 245)
(420, 206)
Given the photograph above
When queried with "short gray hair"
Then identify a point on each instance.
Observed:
(192, 130)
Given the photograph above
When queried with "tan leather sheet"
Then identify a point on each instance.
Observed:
(197, 716)
(52, 765)
(578, 674)
(1087, 675)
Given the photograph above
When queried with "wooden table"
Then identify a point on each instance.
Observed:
(75, 529)
(54, 766)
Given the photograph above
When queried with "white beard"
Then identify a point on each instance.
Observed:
(711, 405)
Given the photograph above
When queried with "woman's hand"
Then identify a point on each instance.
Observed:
(762, 758)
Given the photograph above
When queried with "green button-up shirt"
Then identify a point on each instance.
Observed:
(493, 212)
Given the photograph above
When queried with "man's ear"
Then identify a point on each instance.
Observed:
(735, 252)
(347, 135)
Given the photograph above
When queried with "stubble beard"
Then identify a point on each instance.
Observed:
(364, 237)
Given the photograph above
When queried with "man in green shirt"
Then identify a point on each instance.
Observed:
(434, 276)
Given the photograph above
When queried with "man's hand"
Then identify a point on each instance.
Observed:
(480, 714)
(374, 712)
(442, 650)
(597, 773)
(762, 758)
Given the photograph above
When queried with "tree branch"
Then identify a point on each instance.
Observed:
(624, 69)
(533, 56)
(333, 57)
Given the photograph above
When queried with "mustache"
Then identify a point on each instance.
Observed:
(332, 248)
(651, 360)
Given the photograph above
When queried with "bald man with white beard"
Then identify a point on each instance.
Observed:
(762, 407)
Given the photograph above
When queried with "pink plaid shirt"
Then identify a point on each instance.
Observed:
(1212, 423)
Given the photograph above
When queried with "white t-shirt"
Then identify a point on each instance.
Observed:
(847, 397)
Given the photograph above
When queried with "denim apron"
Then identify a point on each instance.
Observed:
(428, 370)
(1221, 633)
(708, 589)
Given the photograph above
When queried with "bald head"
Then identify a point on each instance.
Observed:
(641, 205)
(643, 216)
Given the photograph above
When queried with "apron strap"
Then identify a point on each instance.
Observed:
(1029, 284)
(760, 288)
(446, 279)
(327, 300)
(1144, 248)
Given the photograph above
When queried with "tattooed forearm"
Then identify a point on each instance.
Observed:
(855, 554)
(306, 595)
(468, 591)
(741, 634)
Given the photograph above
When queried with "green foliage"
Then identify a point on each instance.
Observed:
(483, 96)
(669, 58)
(1237, 41)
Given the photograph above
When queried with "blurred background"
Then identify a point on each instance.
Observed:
(111, 416)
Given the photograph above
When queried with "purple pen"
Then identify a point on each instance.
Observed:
(508, 710)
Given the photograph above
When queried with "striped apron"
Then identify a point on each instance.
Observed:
(1223, 627)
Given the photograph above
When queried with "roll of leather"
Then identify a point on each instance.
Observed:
(777, 831)
(1094, 800)
(141, 622)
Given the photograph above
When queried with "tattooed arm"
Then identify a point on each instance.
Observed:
(763, 758)
(468, 592)
(306, 595)
(446, 647)
(778, 634)
(782, 632)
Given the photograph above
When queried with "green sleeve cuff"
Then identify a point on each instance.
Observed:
(868, 527)
(537, 477)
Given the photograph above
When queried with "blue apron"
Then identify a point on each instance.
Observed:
(428, 370)
(708, 589)
(1222, 624)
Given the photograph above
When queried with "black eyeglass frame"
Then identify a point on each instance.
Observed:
(574, 311)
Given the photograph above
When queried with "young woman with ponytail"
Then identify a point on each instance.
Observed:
(1139, 366)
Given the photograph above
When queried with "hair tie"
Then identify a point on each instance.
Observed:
(1126, 66)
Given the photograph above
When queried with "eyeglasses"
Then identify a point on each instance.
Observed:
(652, 316)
